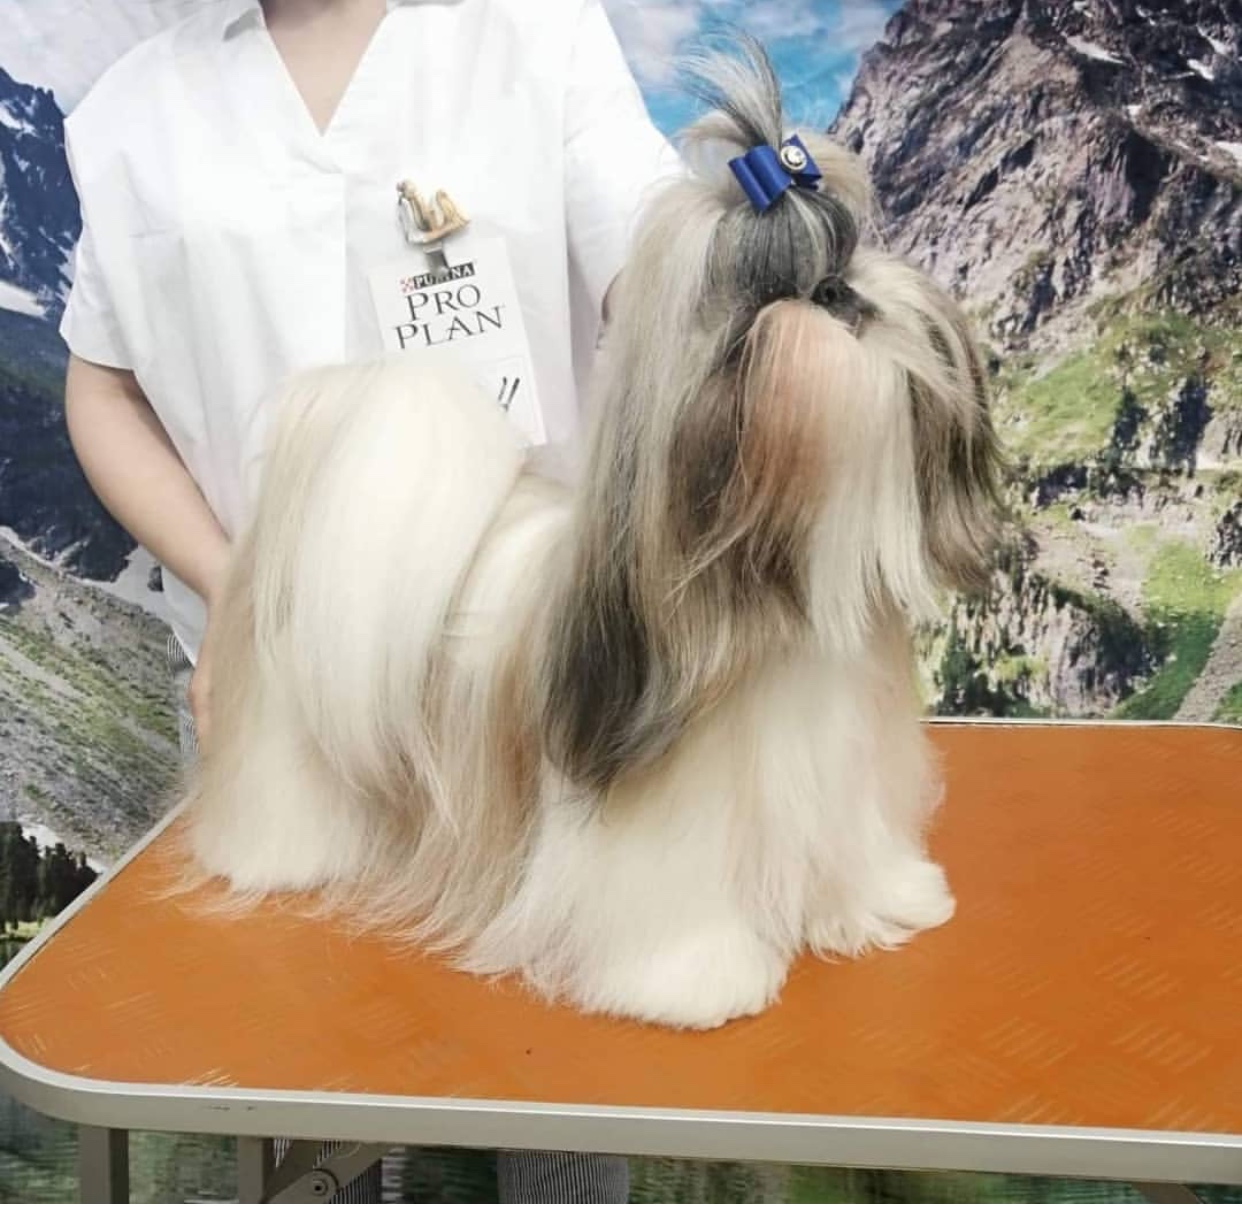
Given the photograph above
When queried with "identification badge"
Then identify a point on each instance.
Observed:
(467, 308)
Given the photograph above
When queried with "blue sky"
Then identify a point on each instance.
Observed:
(815, 45)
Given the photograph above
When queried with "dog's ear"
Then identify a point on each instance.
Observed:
(922, 331)
(748, 467)
(959, 457)
(692, 556)
(602, 703)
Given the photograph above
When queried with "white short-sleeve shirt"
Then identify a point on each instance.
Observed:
(227, 242)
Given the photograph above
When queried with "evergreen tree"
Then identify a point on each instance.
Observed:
(10, 839)
(35, 884)
(25, 875)
(85, 875)
(61, 878)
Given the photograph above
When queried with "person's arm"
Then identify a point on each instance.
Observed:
(123, 449)
(613, 153)
(134, 469)
(122, 446)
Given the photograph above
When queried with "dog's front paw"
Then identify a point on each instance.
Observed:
(913, 896)
(917, 897)
(691, 981)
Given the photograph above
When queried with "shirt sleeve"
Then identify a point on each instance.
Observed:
(613, 152)
(89, 325)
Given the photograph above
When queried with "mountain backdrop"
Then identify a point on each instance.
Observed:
(86, 725)
(1073, 172)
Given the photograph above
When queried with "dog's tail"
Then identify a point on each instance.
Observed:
(381, 481)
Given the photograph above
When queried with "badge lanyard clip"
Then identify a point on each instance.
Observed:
(427, 227)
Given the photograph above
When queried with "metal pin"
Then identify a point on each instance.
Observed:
(428, 226)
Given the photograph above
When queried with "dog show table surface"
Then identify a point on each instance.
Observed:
(1081, 1015)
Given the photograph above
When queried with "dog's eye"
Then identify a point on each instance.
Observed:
(836, 295)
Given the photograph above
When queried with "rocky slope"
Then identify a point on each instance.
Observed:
(44, 497)
(1073, 171)
(87, 728)
(86, 731)
(1036, 153)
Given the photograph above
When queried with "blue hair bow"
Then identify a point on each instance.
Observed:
(765, 173)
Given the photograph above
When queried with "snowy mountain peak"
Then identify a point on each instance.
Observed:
(39, 220)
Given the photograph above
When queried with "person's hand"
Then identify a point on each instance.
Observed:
(200, 680)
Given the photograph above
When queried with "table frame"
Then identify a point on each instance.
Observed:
(107, 1110)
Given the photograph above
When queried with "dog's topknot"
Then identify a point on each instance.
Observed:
(809, 234)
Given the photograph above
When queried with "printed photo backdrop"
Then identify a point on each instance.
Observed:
(1072, 171)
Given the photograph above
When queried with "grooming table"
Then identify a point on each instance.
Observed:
(1081, 1016)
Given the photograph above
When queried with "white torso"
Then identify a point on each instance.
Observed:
(228, 240)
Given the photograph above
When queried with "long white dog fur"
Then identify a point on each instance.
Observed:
(644, 741)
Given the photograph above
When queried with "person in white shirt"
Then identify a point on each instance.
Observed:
(238, 181)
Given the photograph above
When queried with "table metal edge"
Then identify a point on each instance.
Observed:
(1089, 1152)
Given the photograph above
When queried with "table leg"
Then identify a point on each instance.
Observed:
(313, 1171)
(255, 1161)
(103, 1164)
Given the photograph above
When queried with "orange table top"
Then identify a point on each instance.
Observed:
(1091, 979)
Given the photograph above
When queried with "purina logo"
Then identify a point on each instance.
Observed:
(441, 307)
(425, 280)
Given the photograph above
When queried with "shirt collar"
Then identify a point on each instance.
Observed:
(236, 15)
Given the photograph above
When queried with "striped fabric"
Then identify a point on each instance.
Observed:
(521, 1176)
(562, 1177)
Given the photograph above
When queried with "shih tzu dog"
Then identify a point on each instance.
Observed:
(644, 741)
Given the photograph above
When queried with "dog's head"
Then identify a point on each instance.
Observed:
(792, 436)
